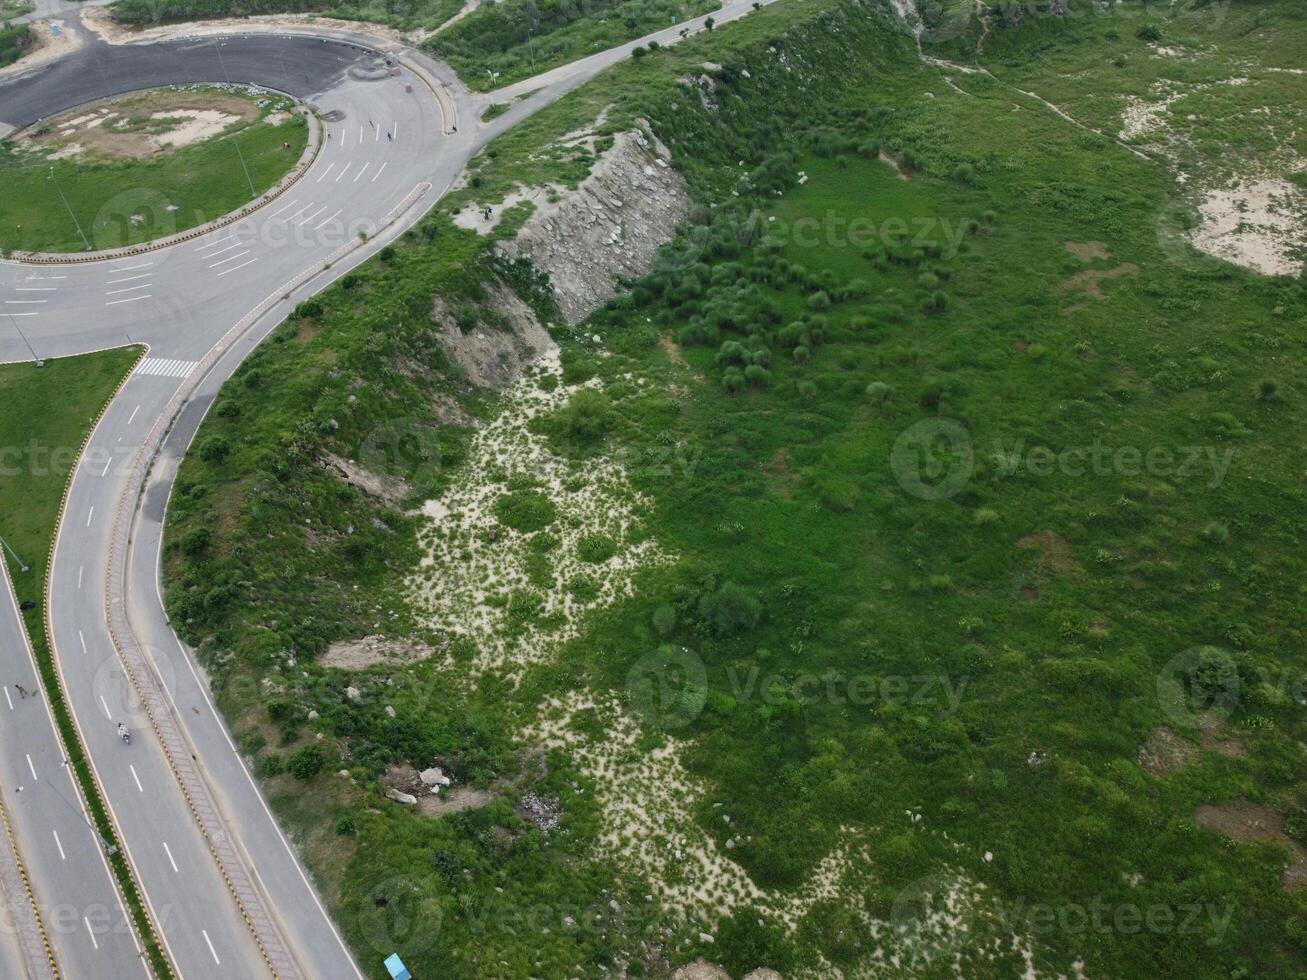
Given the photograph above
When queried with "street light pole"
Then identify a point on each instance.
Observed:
(22, 565)
(85, 241)
(26, 342)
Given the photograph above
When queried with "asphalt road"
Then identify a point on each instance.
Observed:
(388, 152)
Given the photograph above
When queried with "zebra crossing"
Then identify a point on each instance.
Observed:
(165, 368)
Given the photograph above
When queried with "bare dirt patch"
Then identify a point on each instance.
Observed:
(391, 490)
(1054, 553)
(497, 347)
(1088, 284)
(372, 651)
(100, 20)
(1242, 821)
(778, 472)
(1087, 251)
(140, 126)
(1165, 752)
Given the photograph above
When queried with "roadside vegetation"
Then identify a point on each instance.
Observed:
(975, 494)
(15, 39)
(40, 446)
(143, 166)
(500, 43)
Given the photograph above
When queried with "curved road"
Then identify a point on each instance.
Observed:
(201, 306)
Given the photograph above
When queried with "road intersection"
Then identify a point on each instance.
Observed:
(225, 891)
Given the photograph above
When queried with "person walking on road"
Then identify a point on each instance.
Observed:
(22, 691)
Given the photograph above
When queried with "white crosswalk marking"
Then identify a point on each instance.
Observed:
(164, 368)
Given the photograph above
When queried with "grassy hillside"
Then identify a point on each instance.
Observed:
(974, 506)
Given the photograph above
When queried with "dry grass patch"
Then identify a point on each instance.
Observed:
(1246, 822)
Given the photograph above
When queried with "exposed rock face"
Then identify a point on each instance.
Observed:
(610, 225)
(399, 796)
(506, 338)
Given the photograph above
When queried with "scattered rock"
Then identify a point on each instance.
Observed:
(399, 796)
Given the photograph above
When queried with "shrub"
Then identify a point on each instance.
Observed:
(1268, 390)
(214, 449)
(525, 510)
(195, 541)
(306, 761)
(586, 416)
(268, 765)
(596, 548)
(1149, 33)
(879, 392)
(664, 620)
(731, 609)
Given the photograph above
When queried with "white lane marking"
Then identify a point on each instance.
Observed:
(378, 173)
(300, 211)
(82, 636)
(24, 302)
(143, 275)
(31, 768)
(9, 699)
(133, 415)
(221, 250)
(91, 931)
(127, 289)
(35, 289)
(324, 173)
(325, 220)
(230, 258)
(213, 951)
(59, 844)
(376, 134)
(89, 516)
(313, 215)
(237, 267)
(286, 208)
(344, 172)
(217, 241)
(107, 463)
(24, 314)
(167, 850)
(133, 268)
(360, 173)
(360, 134)
(105, 705)
(396, 130)
(139, 787)
(130, 299)
(80, 568)
(31, 278)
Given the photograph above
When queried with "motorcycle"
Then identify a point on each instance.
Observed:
(124, 734)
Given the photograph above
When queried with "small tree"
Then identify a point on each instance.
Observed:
(879, 392)
(306, 761)
(731, 609)
(708, 24)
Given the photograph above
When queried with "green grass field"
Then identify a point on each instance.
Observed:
(960, 469)
(119, 201)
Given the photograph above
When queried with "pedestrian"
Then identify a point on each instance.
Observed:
(388, 136)
(22, 691)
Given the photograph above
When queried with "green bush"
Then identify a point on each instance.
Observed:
(525, 510)
(306, 761)
(730, 610)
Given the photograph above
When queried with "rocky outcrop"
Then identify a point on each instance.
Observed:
(497, 339)
(611, 225)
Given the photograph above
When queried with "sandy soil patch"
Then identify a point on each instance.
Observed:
(1258, 224)
(142, 125)
(1087, 251)
(481, 581)
(197, 125)
(1243, 821)
(474, 217)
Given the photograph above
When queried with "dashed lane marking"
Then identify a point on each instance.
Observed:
(143, 275)
(129, 299)
(230, 258)
(236, 268)
(378, 173)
